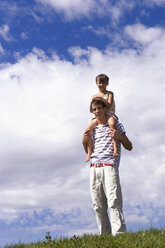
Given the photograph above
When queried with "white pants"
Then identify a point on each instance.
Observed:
(106, 193)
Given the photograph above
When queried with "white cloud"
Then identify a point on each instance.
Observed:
(1, 49)
(115, 10)
(79, 55)
(40, 117)
(155, 2)
(78, 8)
(44, 110)
(120, 8)
(100, 31)
(70, 8)
(143, 34)
(4, 32)
(24, 36)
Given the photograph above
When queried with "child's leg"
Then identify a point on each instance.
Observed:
(111, 122)
(92, 124)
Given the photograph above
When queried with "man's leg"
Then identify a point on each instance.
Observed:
(99, 200)
(114, 196)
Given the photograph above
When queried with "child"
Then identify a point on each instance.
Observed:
(107, 97)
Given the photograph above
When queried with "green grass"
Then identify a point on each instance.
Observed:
(143, 239)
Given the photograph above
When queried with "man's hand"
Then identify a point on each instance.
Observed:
(97, 98)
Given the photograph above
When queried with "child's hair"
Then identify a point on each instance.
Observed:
(96, 101)
(102, 78)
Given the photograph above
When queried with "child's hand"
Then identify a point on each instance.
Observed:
(97, 97)
(115, 134)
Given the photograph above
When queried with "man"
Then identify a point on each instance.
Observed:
(104, 172)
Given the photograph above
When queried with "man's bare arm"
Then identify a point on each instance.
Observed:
(126, 142)
(85, 138)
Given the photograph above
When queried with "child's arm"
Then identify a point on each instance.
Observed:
(110, 98)
(115, 134)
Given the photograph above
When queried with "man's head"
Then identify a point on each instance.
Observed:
(97, 106)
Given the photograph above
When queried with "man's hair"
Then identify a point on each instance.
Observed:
(102, 78)
(98, 102)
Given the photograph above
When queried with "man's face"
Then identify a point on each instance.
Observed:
(98, 110)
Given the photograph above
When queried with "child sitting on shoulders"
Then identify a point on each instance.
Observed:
(107, 97)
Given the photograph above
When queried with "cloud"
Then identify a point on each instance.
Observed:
(155, 2)
(1, 49)
(116, 11)
(143, 34)
(36, 100)
(44, 109)
(89, 8)
(24, 36)
(10, 9)
(4, 32)
(104, 31)
(70, 8)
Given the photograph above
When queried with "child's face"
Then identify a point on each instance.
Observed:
(102, 84)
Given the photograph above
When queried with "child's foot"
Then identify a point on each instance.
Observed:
(115, 154)
(87, 158)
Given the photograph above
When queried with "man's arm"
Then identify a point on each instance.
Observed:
(85, 138)
(126, 142)
(122, 138)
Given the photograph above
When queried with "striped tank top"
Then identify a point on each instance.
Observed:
(103, 145)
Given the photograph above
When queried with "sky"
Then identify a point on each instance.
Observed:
(50, 53)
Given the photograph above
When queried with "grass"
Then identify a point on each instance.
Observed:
(153, 238)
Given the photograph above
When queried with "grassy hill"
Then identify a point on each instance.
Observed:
(143, 239)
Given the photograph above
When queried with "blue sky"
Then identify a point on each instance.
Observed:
(51, 27)
(50, 54)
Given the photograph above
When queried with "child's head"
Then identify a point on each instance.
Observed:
(102, 81)
(102, 78)
(96, 102)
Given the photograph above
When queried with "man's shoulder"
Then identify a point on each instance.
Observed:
(120, 127)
